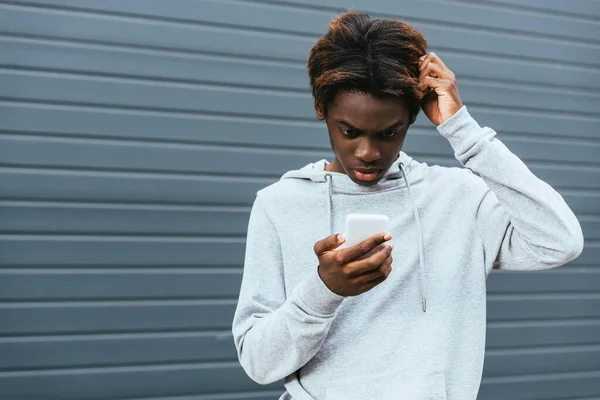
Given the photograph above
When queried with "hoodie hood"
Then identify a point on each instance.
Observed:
(401, 174)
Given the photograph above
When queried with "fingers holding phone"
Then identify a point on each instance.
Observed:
(368, 272)
(350, 271)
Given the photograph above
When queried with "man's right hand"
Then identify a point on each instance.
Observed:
(347, 272)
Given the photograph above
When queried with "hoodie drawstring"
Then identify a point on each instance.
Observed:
(329, 178)
(420, 239)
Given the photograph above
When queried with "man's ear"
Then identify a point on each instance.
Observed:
(319, 112)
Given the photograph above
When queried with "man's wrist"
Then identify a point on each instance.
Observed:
(317, 296)
(458, 121)
(463, 133)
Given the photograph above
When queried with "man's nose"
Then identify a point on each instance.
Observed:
(367, 151)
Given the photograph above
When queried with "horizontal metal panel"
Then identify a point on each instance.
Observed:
(69, 152)
(148, 381)
(305, 20)
(105, 60)
(119, 250)
(565, 279)
(173, 283)
(589, 256)
(127, 382)
(115, 316)
(60, 151)
(174, 189)
(522, 334)
(79, 250)
(563, 151)
(250, 42)
(123, 219)
(19, 149)
(53, 152)
(563, 177)
(131, 187)
(253, 395)
(471, 15)
(181, 379)
(167, 283)
(524, 122)
(16, 150)
(582, 201)
(88, 317)
(229, 13)
(591, 227)
(547, 387)
(527, 130)
(541, 361)
(104, 350)
(140, 33)
(184, 158)
(39, 86)
(99, 350)
(542, 307)
(24, 217)
(163, 126)
(127, 92)
(583, 8)
(110, 60)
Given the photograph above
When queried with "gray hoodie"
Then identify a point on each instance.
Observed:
(421, 333)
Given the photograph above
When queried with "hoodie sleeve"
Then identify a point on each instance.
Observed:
(523, 222)
(276, 334)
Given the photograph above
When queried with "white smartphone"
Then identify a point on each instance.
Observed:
(362, 226)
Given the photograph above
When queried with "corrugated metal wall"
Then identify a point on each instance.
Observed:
(134, 134)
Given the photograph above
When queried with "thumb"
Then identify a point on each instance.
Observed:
(331, 242)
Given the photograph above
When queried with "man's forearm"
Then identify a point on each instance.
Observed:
(546, 226)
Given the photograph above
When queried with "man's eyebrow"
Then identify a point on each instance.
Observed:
(394, 125)
(350, 126)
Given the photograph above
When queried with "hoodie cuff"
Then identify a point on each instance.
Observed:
(461, 130)
(317, 296)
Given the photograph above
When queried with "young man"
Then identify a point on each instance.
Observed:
(337, 325)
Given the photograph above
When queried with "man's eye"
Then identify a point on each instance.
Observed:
(389, 135)
(350, 132)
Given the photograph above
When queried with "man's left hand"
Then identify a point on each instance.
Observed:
(439, 94)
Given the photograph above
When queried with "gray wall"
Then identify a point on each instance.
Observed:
(134, 134)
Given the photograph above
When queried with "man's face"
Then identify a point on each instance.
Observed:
(366, 135)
